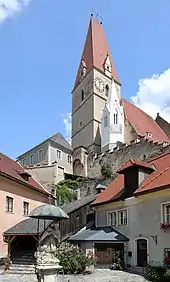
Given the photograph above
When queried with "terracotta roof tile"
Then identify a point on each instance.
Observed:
(160, 177)
(112, 190)
(157, 179)
(11, 168)
(143, 123)
(95, 50)
(132, 162)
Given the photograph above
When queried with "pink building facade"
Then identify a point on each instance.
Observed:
(19, 195)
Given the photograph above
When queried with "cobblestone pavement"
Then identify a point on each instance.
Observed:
(97, 276)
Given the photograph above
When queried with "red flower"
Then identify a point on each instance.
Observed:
(167, 260)
(165, 226)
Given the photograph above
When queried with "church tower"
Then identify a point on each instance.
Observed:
(95, 77)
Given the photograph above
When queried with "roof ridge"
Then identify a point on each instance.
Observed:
(138, 108)
(159, 157)
(156, 176)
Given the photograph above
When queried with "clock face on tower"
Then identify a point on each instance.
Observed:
(99, 84)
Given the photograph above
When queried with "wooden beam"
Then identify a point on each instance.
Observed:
(8, 262)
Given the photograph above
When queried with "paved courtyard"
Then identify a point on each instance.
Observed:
(97, 276)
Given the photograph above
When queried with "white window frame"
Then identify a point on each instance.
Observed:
(69, 159)
(24, 161)
(7, 209)
(163, 215)
(117, 217)
(109, 219)
(41, 157)
(124, 217)
(27, 209)
(58, 152)
(32, 157)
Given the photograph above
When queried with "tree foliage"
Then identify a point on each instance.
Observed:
(106, 171)
(66, 190)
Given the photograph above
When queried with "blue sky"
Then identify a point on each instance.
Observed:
(40, 48)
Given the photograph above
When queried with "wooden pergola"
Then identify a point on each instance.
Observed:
(27, 227)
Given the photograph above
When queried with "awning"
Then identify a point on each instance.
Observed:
(99, 234)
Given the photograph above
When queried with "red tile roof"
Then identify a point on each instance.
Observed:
(112, 190)
(158, 179)
(143, 123)
(130, 163)
(14, 170)
(95, 50)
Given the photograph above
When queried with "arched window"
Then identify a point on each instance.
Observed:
(115, 117)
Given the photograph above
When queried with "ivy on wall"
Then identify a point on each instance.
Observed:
(106, 171)
(66, 190)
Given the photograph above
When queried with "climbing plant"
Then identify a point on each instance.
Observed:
(106, 171)
(66, 190)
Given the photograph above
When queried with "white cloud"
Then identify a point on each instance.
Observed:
(153, 95)
(67, 124)
(9, 7)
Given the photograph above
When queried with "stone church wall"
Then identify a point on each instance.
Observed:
(139, 149)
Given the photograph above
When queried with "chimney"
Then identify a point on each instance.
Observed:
(100, 188)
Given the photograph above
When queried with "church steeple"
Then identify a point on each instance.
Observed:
(94, 79)
(96, 53)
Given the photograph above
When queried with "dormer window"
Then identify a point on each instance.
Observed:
(83, 69)
(25, 175)
(149, 134)
(107, 66)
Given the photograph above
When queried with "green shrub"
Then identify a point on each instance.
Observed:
(73, 259)
(155, 273)
(106, 171)
(167, 277)
(118, 261)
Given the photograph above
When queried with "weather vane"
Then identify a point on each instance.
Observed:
(97, 16)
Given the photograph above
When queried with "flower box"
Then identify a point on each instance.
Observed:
(165, 226)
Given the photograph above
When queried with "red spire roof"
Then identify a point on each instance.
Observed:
(95, 50)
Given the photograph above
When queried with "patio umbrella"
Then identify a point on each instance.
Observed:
(49, 212)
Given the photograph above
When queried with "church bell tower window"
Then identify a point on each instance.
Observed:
(107, 90)
(115, 118)
(82, 95)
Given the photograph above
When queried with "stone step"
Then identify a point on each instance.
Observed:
(23, 259)
(21, 269)
(18, 257)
